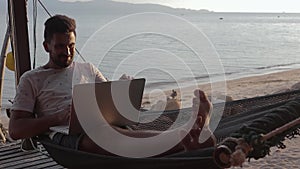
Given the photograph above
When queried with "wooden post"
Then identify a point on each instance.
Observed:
(19, 36)
(2, 61)
(20, 45)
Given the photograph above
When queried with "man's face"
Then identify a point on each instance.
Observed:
(61, 49)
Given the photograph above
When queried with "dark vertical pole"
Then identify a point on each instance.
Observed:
(2, 61)
(19, 36)
(20, 44)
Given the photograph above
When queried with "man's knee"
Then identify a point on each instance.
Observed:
(69, 141)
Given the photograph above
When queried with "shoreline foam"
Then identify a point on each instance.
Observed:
(246, 87)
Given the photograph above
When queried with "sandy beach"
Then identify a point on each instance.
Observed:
(262, 85)
(238, 88)
(258, 86)
(246, 88)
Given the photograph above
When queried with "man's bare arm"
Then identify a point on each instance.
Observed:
(22, 124)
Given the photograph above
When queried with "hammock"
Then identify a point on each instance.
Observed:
(240, 117)
(77, 159)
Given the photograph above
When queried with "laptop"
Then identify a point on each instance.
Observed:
(118, 102)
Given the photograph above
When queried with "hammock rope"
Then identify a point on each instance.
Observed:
(272, 120)
(262, 134)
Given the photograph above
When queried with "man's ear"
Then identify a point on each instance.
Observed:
(45, 44)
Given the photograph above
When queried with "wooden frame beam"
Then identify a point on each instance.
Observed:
(19, 36)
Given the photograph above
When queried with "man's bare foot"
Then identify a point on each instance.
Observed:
(201, 106)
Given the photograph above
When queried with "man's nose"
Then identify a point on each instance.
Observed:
(67, 51)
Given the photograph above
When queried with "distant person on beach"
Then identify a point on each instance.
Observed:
(44, 95)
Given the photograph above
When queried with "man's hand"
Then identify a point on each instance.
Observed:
(126, 77)
(63, 118)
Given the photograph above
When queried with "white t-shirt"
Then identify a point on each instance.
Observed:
(48, 91)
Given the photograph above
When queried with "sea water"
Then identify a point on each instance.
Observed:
(247, 44)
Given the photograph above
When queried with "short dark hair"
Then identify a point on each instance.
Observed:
(58, 24)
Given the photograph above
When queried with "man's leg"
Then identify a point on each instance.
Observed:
(201, 105)
(86, 144)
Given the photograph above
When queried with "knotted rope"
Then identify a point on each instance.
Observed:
(262, 134)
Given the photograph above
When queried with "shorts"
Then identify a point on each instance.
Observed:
(69, 141)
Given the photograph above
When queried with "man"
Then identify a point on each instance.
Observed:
(44, 95)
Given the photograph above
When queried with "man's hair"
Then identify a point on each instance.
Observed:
(58, 24)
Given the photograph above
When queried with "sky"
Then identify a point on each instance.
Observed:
(228, 5)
